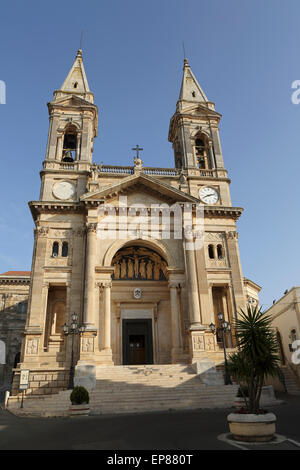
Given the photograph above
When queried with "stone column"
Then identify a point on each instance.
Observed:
(59, 147)
(105, 355)
(176, 344)
(195, 315)
(217, 147)
(236, 271)
(78, 146)
(211, 154)
(89, 294)
(107, 315)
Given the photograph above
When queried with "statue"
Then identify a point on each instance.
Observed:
(143, 269)
(117, 271)
(130, 269)
(149, 269)
(123, 268)
(138, 163)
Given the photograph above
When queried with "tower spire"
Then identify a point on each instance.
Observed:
(76, 81)
(191, 91)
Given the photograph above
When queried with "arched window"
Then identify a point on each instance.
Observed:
(201, 151)
(220, 252)
(293, 335)
(55, 249)
(70, 143)
(65, 249)
(211, 251)
(22, 307)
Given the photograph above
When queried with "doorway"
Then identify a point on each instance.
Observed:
(137, 342)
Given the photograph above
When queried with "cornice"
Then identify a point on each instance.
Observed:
(223, 211)
(40, 207)
(13, 281)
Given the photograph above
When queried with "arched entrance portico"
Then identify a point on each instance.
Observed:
(145, 312)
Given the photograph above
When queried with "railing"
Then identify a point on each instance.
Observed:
(160, 171)
(129, 170)
(119, 170)
(66, 166)
(206, 173)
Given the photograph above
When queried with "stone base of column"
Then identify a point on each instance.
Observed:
(105, 357)
(88, 346)
(176, 356)
(198, 343)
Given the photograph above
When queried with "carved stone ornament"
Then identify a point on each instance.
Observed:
(198, 343)
(32, 346)
(232, 235)
(213, 236)
(41, 231)
(137, 293)
(92, 227)
(87, 344)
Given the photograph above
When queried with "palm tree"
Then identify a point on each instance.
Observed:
(257, 355)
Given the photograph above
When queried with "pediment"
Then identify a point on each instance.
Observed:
(201, 110)
(71, 101)
(140, 189)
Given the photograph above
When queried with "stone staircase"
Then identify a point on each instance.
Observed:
(132, 389)
(291, 382)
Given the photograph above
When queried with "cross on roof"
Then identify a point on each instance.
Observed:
(138, 149)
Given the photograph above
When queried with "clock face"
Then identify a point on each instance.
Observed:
(208, 195)
(63, 190)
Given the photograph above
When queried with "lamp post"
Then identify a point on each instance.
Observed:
(73, 329)
(225, 327)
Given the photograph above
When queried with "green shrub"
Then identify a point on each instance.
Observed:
(79, 396)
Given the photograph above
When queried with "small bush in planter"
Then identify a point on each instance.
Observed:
(79, 396)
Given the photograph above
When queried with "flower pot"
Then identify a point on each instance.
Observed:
(252, 427)
(79, 410)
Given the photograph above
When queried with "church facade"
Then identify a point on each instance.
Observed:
(108, 245)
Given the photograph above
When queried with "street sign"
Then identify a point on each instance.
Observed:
(24, 379)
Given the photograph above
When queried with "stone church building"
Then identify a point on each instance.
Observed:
(140, 298)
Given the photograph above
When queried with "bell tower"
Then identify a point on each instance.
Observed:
(194, 130)
(73, 123)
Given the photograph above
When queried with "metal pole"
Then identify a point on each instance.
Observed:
(227, 376)
(71, 378)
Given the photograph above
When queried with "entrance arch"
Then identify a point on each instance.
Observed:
(140, 291)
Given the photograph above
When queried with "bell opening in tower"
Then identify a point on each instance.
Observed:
(69, 145)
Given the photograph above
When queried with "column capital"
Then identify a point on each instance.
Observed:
(173, 284)
(105, 284)
(232, 235)
(41, 231)
(91, 227)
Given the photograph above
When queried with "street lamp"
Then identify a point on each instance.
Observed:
(73, 329)
(225, 327)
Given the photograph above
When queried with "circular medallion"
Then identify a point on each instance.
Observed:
(63, 190)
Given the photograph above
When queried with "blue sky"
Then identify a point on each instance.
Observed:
(245, 55)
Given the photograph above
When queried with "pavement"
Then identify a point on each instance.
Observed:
(174, 430)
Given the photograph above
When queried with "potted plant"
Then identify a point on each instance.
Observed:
(256, 358)
(79, 398)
